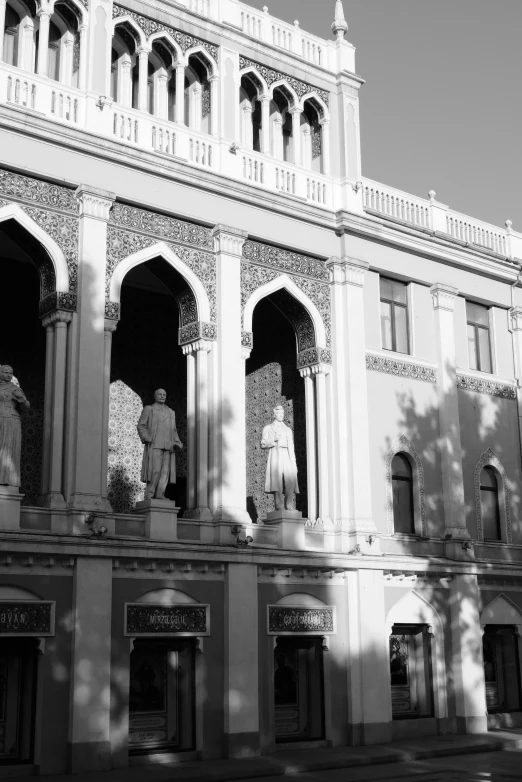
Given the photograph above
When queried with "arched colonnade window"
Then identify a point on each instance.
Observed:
(276, 122)
(155, 76)
(48, 40)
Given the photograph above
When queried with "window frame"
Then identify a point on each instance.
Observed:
(393, 304)
(496, 492)
(401, 445)
(411, 484)
(489, 459)
(476, 326)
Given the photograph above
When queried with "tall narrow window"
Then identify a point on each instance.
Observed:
(12, 24)
(53, 56)
(489, 504)
(394, 316)
(114, 75)
(402, 484)
(479, 346)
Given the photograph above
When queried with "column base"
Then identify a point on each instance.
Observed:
(459, 550)
(291, 528)
(89, 756)
(242, 745)
(89, 502)
(472, 724)
(236, 515)
(161, 519)
(198, 514)
(10, 502)
(54, 500)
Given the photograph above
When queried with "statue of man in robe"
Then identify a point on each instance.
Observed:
(281, 467)
(157, 431)
(12, 401)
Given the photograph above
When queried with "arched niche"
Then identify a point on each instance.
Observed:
(167, 597)
(413, 609)
(301, 599)
(501, 611)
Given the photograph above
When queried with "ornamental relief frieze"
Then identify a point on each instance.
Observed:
(150, 26)
(161, 226)
(122, 243)
(285, 261)
(254, 277)
(26, 188)
(272, 76)
(64, 231)
(401, 368)
(483, 386)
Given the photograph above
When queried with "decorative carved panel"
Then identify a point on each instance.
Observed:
(272, 76)
(285, 261)
(483, 386)
(184, 620)
(27, 618)
(124, 486)
(401, 368)
(26, 188)
(298, 620)
(317, 140)
(161, 226)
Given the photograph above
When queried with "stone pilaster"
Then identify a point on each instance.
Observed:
(450, 444)
(515, 316)
(88, 438)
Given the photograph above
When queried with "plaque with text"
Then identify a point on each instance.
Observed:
(27, 618)
(299, 620)
(160, 620)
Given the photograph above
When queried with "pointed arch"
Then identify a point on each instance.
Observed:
(312, 94)
(501, 611)
(414, 609)
(77, 7)
(283, 282)
(163, 34)
(15, 212)
(130, 22)
(489, 459)
(251, 71)
(402, 445)
(161, 249)
(286, 87)
(205, 55)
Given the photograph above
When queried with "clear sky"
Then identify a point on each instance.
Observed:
(442, 105)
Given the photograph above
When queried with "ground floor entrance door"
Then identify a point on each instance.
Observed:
(17, 699)
(298, 689)
(162, 696)
(501, 668)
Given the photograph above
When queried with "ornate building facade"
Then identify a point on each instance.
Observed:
(182, 207)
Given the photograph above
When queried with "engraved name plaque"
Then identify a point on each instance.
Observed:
(160, 620)
(298, 620)
(27, 618)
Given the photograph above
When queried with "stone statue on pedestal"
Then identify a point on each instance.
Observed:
(157, 431)
(12, 400)
(281, 467)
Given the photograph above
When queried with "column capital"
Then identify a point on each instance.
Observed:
(311, 358)
(229, 240)
(192, 333)
(110, 326)
(58, 316)
(94, 202)
(324, 120)
(144, 50)
(295, 110)
(200, 346)
(315, 369)
(443, 296)
(45, 9)
(349, 271)
(212, 78)
(265, 97)
(180, 66)
(515, 315)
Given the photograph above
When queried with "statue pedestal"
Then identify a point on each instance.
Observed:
(10, 501)
(161, 519)
(291, 528)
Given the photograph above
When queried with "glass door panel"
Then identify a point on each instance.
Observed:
(298, 689)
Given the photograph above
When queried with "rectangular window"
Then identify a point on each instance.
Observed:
(394, 316)
(479, 345)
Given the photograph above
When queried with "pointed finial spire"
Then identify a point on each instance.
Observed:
(340, 27)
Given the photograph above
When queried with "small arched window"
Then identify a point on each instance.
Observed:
(489, 504)
(402, 487)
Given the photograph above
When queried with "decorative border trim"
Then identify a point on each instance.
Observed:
(27, 617)
(483, 386)
(151, 26)
(193, 332)
(271, 76)
(170, 228)
(159, 620)
(285, 260)
(402, 445)
(391, 366)
(301, 620)
(489, 458)
(30, 190)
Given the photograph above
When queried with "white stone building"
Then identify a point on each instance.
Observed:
(182, 205)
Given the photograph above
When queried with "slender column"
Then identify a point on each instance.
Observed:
(241, 661)
(231, 491)
(66, 60)
(90, 685)
(27, 55)
(214, 105)
(87, 447)
(307, 148)
(450, 442)
(110, 327)
(516, 331)
(48, 406)
(311, 443)
(60, 320)
(278, 138)
(195, 108)
(2, 27)
(125, 81)
(320, 371)
(191, 429)
(160, 95)
(325, 143)
(82, 75)
(466, 659)
(353, 506)
(180, 94)
(296, 135)
(44, 14)
(248, 130)
(143, 89)
(265, 124)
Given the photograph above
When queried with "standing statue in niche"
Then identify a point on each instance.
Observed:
(12, 400)
(157, 431)
(281, 467)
